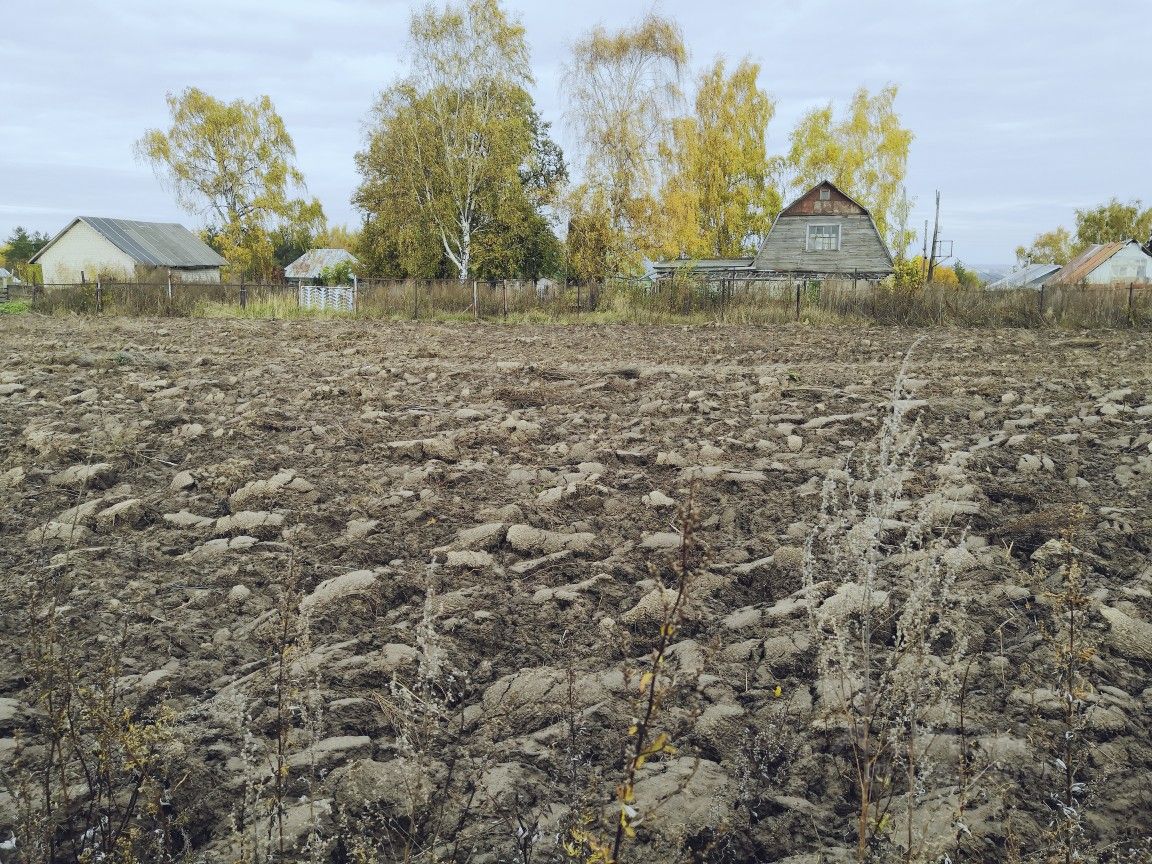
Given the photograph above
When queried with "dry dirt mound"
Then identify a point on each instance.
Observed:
(325, 590)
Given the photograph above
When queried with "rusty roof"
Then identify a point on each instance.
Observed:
(1079, 268)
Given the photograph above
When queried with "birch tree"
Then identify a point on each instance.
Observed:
(1109, 222)
(623, 88)
(1048, 247)
(865, 153)
(448, 136)
(720, 198)
(412, 213)
(234, 163)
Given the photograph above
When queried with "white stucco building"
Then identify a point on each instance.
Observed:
(91, 248)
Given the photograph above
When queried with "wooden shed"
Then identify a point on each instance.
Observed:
(822, 234)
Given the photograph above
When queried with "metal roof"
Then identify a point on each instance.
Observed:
(157, 244)
(1026, 277)
(704, 264)
(1079, 268)
(309, 265)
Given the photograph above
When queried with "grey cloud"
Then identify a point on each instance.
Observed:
(1022, 110)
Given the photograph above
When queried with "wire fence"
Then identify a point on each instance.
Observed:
(643, 301)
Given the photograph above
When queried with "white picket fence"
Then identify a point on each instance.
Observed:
(327, 297)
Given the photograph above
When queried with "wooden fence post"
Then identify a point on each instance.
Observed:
(1131, 289)
(475, 300)
(99, 298)
(504, 287)
(169, 284)
(1041, 300)
(798, 300)
(243, 296)
(415, 299)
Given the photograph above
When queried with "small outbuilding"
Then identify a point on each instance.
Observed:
(822, 234)
(1031, 276)
(94, 248)
(308, 266)
(1118, 263)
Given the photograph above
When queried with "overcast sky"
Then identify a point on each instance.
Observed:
(1022, 111)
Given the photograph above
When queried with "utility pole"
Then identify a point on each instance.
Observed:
(935, 234)
(924, 258)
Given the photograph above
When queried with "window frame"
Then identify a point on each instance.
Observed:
(808, 247)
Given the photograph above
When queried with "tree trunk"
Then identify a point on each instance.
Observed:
(465, 251)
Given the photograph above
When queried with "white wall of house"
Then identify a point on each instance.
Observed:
(196, 274)
(84, 249)
(1130, 264)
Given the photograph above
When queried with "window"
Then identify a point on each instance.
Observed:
(823, 238)
(825, 194)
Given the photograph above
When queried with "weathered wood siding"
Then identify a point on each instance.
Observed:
(811, 204)
(861, 249)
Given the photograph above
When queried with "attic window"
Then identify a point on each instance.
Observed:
(825, 194)
(823, 238)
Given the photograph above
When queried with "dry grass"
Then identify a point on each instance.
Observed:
(753, 303)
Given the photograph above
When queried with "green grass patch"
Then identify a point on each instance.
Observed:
(14, 307)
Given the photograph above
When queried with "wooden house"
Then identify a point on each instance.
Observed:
(822, 234)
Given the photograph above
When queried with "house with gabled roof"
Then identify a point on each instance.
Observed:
(91, 248)
(822, 234)
(1120, 263)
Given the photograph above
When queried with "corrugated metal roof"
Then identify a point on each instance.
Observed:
(704, 264)
(156, 244)
(1079, 268)
(309, 265)
(1026, 277)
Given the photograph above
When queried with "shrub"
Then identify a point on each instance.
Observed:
(889, 636)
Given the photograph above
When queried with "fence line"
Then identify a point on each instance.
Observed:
(731, 300)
